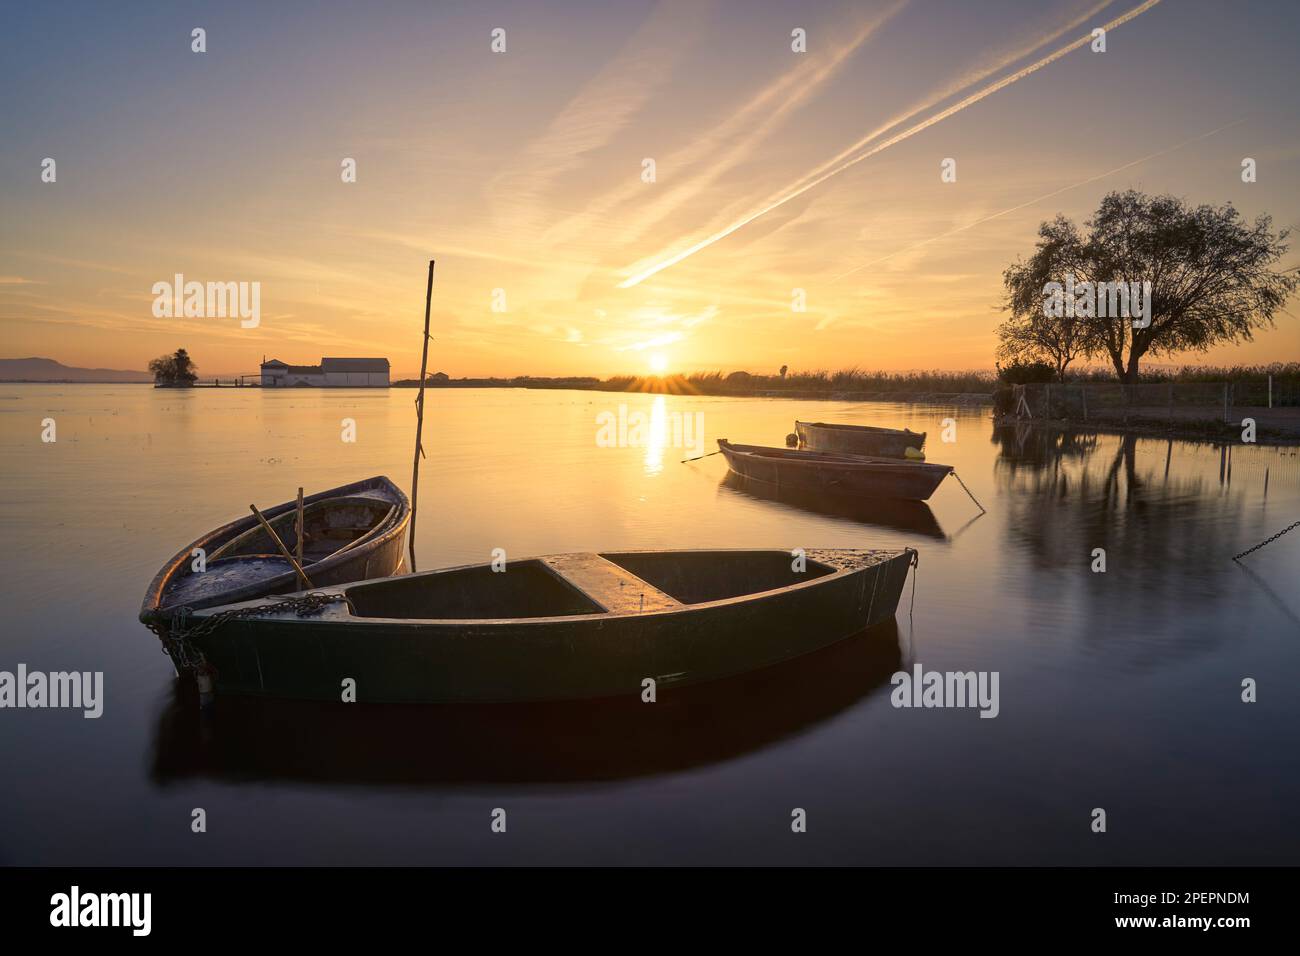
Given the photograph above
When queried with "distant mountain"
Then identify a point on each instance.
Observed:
(48, 370)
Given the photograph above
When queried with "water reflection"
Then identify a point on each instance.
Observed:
(658, 436)
(1165, 516)
(253, 739)
(895, 514)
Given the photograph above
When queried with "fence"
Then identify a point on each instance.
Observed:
(1156, 401)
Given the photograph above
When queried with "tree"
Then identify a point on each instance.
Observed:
(1053, 341)
(175, 369)
(1210, 274)
(784, 369)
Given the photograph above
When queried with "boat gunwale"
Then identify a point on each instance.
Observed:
(872, 429)
(334, 614)
(804, 458)
(153, 608)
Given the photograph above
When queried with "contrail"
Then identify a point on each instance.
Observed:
(1055, 192)
(989, 90)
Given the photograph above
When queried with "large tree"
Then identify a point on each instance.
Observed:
(175, 369)
(1211, 274)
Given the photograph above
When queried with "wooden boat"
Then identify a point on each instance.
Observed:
(893, 514)
(351, 533)
(858, 439)
(838, 474)
(551, 628)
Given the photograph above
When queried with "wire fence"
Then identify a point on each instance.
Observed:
(1155, 401)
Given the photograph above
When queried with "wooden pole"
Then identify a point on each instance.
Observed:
(298, 546)
(419, 413)
(280, 544)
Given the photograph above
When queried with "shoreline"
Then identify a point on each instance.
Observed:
(1215, 432)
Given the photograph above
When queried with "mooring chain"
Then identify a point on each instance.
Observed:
(982, 509)
(1291, 527)
(180, 633)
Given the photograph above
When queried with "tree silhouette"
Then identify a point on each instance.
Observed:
(1211, 279)
(175, 369)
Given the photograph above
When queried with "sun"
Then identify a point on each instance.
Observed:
(658, 363)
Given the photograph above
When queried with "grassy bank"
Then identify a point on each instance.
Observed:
(851, 383)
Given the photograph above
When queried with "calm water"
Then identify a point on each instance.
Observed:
(1118, 690)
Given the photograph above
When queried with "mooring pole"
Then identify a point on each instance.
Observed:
(419, 412)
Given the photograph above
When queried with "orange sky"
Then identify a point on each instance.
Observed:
(523, 172)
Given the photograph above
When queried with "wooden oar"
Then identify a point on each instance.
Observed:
(280, 544)
(685, 460)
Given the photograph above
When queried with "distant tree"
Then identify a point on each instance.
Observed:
(784, 369)
(1054, 341)
(1211, 279)
(1021, 372)
(175, 369)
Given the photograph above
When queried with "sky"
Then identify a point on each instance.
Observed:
(796, 214)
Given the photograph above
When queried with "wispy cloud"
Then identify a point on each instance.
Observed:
(722, 147)
(834, 168)
(602, 108)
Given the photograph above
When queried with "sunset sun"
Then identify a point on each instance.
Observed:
(659, 363)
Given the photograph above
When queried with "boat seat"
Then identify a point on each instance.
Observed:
(616, 589)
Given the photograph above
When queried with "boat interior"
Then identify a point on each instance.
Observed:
(865, 428)
(588, 583)
(329, 527)
(821, 457)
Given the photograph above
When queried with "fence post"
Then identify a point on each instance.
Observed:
(1171, 402)
(1225, 403)
(1270, 391)
(1083, 391)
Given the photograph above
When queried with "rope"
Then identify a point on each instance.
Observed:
(982, 509)
(916, 563)
(1291, 527)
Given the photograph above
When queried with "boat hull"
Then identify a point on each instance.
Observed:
(858, 439)
(834, 474)
(892, 514)
(582, 655)
(378, 555)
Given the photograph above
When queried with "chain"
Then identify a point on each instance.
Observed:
(1292, 527)
(178, 637)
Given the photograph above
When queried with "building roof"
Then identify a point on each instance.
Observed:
(354, 364)
(274, 363)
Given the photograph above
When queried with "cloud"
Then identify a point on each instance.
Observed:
(856, 154)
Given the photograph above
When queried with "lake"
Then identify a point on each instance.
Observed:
(1119, 690)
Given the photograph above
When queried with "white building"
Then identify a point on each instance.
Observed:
(330, 373)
